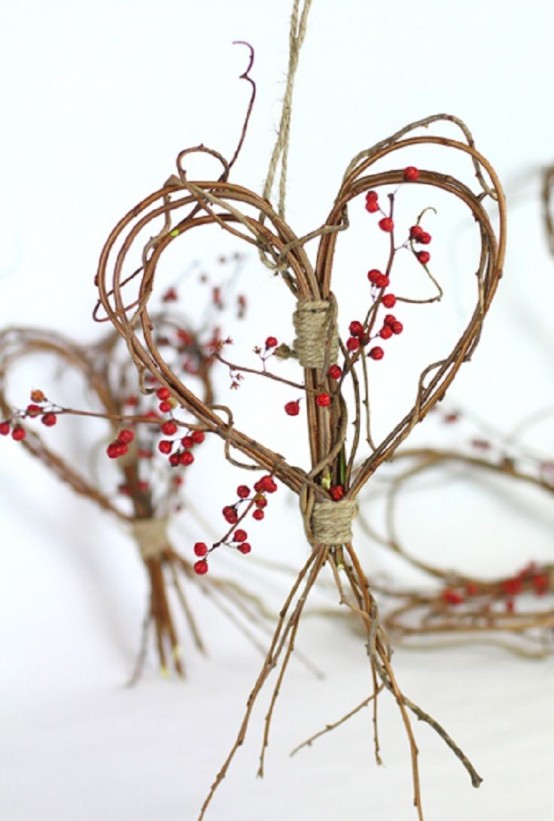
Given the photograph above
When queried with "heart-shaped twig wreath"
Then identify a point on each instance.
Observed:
(148, 495)
(337, 422)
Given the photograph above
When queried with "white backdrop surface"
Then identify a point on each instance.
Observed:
(96, 101)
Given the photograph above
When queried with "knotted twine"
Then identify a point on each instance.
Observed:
(150, 536)
(316, 333)
(331, 522)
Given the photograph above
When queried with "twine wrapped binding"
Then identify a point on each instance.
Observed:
(150, 536)
(316, 333)
(331, 522)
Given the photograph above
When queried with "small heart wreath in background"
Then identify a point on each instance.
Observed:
(335, 370)
(148, 494)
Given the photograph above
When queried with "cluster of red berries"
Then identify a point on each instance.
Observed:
(38, 407)
(120, 445)
(418, 235)
(530, 577)
(236, 537)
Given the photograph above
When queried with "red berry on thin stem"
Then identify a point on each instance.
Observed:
(356, 328)
(258, 515)
(169, 428)
(165, 446)
(163, 393)
(334, 372)
(386, 224)
(126, 436)
(352, 344)
(240, 535)
(389, 300)
(271, 342)
(201, 567)
(200, 549)
(323, 400)
(198, 436)
(19, 433)
(243, 491)
(292, 408)
(376, 353)
(336, 492)
(5, 428)
(49, 419)
(244, 548)
(423, 257)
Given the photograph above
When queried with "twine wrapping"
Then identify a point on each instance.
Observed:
(316, 333)
(331, 522)
(150, 536)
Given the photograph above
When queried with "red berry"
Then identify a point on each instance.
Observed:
(49, 419)
(174, 460)
(258, 515)
(334, 372)
(386, 224)
(186, 458)
(356, 328)
(33, 410)
(169, 428)
(165, 406)
(416, 231)
(336, 492)
(540, 582)
(271, 342)
(292, 408)
(244, 548)
(389, 300)
(260, 501)
(323, 400)
(165, 446)
(187, 442)
(389, 319)
(243, 491)
(198, 436)
(397, 328)
(452, 596)
(424, 238)
(376, 352)
(5, 428)
(116, 449)
(411, 173)
(163, 393)
(385, 332)
(423, 257)
(126, 436)
(200, 549)
(201, 567)
(19, 433)
(240, 535)
(352, 344)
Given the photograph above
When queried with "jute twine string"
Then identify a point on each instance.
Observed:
(316, 333)
(331, 522)
(150, 536)
(297, 33)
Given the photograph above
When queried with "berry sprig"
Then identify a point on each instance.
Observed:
(248, 502)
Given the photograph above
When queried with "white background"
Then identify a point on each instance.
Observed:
(96, 100)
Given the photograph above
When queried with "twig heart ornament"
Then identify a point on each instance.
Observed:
(328, 489)
(147, 497)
